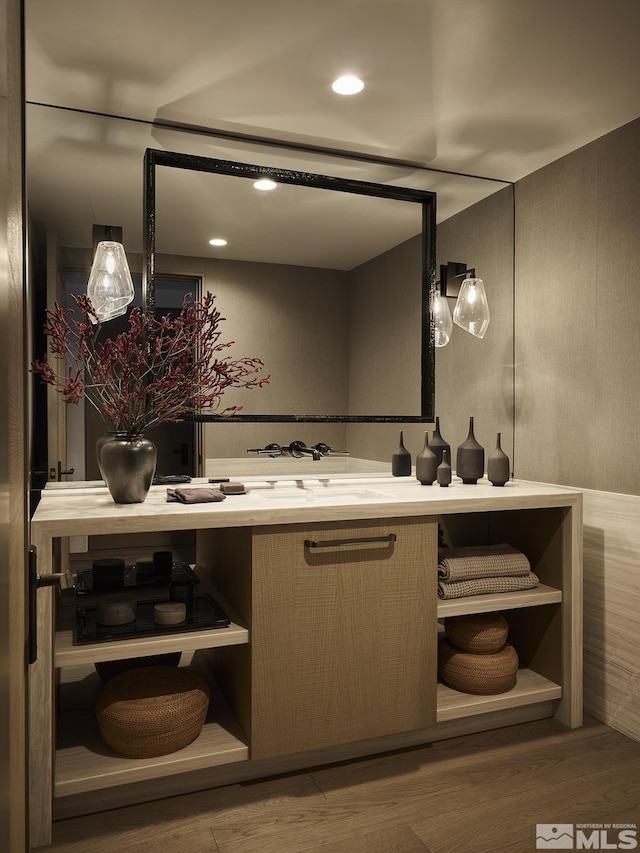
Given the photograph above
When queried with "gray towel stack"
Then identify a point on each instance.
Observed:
(482, 569)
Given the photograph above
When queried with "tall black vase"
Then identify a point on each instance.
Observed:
(498, 465)
(438, 444)
(470, 458)
(401, 460)
(128, 463)
(426, 464)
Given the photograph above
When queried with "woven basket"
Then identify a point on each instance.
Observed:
(478, 674)
(152, 711)
(479, 633)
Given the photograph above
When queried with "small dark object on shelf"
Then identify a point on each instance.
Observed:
(163, 564)
(108, 574)
(168, 479)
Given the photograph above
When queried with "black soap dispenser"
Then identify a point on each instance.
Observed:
(401, 460)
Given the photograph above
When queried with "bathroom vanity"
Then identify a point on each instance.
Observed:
(331, 653)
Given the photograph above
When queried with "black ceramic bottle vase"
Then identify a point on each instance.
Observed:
(438, 444)
(498, 465)
(443, 473)
(401, 460)
(470, 458)
(426, 464)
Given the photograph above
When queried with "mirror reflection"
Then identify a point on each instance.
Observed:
(328, 280)
(87, 169)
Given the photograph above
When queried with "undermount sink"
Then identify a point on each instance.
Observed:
(306, 494)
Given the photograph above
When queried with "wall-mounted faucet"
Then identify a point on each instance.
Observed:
(298, 449)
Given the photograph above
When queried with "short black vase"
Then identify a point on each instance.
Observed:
(443, 473)
(127, 463)
(470, 458)
(438, 444)
(498, 465)
(401, 460)
(426, 464)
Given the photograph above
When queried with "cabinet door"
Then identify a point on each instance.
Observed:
(343, 634)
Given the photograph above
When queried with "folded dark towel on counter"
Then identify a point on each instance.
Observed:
(481, 561)
(195, 496)
(485, 586)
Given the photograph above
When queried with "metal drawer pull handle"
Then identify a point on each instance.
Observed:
(336, 543)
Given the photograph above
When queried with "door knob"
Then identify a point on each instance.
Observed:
(62, 473)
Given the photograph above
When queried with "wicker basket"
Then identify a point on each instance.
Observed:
(479, 633)
(152, 711)
(478, 674)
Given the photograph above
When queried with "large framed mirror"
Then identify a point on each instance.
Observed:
(328, 280)
(85, 169)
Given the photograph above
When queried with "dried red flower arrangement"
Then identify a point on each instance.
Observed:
(155, 371)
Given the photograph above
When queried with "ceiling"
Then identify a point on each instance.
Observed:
(490, 88)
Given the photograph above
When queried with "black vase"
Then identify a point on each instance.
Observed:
(443, 473)
(99, 445)
(498, 465)
(401, 460)
(470, 459)
(127, 463)
(438, 444)
(426, 464)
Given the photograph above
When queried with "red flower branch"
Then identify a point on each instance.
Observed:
(156, 371)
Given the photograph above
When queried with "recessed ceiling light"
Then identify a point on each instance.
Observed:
(265, 184)
(218, 241)
(347, 85)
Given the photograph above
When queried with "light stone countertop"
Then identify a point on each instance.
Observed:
(87, 508)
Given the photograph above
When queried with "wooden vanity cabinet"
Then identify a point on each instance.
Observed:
(332, 651)
(343, 632)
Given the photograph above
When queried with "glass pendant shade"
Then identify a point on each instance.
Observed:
(110, 286)
(472, 310)
(442, 322)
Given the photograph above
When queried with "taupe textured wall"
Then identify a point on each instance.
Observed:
(475, 377)
(577, 369)
(578, 317)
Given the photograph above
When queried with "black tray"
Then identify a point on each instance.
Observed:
(206, 613)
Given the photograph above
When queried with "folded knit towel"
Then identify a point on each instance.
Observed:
(195, 496)
(481, 561)
(484, 586)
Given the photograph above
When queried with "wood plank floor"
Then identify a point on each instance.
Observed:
(481, 793)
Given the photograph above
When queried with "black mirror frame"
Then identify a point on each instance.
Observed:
(154, 158)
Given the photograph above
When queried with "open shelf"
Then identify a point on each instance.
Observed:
(84, 762)
(499, 601)
(68, 654)
(530, 689)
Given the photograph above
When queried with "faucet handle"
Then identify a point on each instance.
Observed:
(273, 450)
(325, 450)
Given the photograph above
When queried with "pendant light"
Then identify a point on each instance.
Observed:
(472, 309)
(110, 286)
